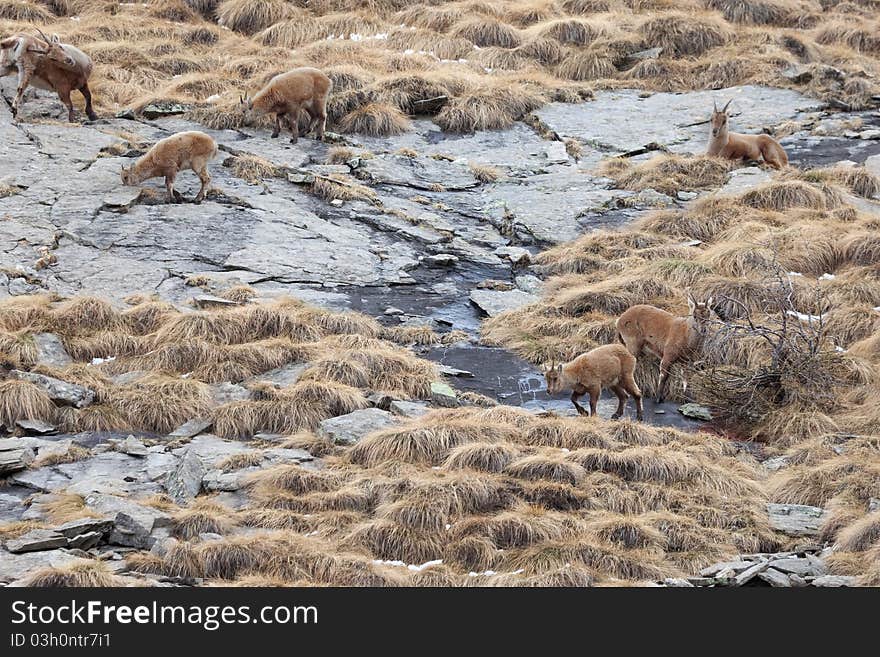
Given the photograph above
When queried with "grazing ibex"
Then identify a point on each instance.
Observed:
(185, 150)
(736, 146)
(608, 366)
(47, 64)
(662, 334)
(286, 95)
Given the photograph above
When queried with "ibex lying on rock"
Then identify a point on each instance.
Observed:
(736, 146)
(286, 95)
(47, 64)
(185, 150)
(608, 366)
(662, 334)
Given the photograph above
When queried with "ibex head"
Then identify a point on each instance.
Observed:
(553, 376)
(719, 118)
(127, 176)
(53, 50)
(701, 311)
(246, 104)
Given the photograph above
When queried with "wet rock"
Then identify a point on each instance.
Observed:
(59, 391)
(133, 522)
(443, 395)
(441, 260)
(391, 310)
(349, 429)
(696, 412)
(13, 460)
(50, 350)
(775, 578)
(796, 519)
(494, 302)
(191, 428)
(35, 540)
(454, 371)
(185, 481)
(409, 409)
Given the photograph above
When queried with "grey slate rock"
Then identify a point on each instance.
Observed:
(191, 428)
(85, 526)
(59, 391)
(133, 522)
(13, 460)
(409, 409)
(35, 540)
(443, 395)
(185, 481)
(775, 578)
(50, 350)
(349, 429)
(16, 566)
(85, 541)
(834, 581)
(804, 567)
(796, 519)
(495, 302)
(36, 427)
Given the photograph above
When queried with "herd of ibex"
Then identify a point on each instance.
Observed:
(49, 64)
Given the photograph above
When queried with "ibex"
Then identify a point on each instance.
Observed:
(608, 366)
(662, 334)
(47, 64)
(185, 150)
(286, 95)
(736, 146)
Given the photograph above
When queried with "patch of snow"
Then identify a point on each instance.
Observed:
(98, 361)
(803, 317)
(795, 273)
(827, 277)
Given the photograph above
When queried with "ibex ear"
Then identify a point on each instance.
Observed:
(691, 303)
(559, 368)
(56, 38)
(709, 301)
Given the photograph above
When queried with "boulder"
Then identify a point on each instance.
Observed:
(16, 566)
(36, 427)
(775, 578)
(516, 254)
(349, 429)
(835, 580)
(696, 412)
(133, 522)
(74, 528)
(59, 391)
(443, 395)
(133, 447)
(803, 567)
(185, 481)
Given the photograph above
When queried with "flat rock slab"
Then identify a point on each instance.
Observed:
(349, 429)
(16, 566)
(495, 302)
(35, 540)
(796, 519)
(191, 428)
(13, 460)
(409, 409)
(665, 118)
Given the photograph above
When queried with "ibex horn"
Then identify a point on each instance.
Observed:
(45, 38)
(714, 105)
(727, 105)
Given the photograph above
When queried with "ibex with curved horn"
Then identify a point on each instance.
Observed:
(47, 64)
(736, 146)
(611, 365)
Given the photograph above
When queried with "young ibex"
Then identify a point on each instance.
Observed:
(608, 366)
(47, 64)
(662, 334)
(736, 146)
(286, 95)
(185, 150)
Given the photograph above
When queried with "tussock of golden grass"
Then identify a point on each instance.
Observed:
(669, 174)
(253, 169)
(78, 575)
(484, 173)
(202, 517)
(250, 16)
(486, 457)
(375, 120)
(71, 455)
(376, 369)
(682, 35)
(22, 400)
(24, 12)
